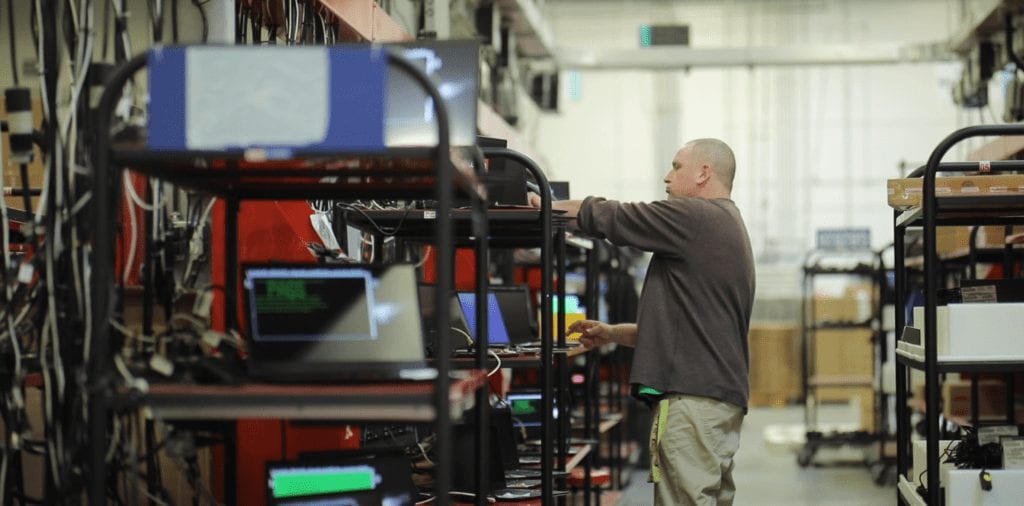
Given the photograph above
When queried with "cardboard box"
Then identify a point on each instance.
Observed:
(842, 353)
(12, 174)
(957, 240)
(904, 193)
(956, 400)
(836, 309)
(775, 365)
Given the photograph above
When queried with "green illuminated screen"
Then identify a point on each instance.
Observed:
(329, 480)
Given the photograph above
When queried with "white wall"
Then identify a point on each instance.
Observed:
(814, 144)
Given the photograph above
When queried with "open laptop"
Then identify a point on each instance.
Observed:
(459, 336)
(497, 330)
(516, 309)
(337, 478)
(334, 322)
(527, 408)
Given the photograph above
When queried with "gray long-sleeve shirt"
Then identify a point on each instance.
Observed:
(697, 297)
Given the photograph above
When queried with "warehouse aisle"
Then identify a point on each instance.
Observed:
(768, 476)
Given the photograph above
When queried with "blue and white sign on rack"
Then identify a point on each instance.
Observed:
(215, 98)
(843, 239)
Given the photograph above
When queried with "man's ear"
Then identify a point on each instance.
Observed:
(705, 174)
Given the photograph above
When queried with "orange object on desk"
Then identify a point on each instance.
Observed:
(598, 477)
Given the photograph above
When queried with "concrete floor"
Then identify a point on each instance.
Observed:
(767, 473)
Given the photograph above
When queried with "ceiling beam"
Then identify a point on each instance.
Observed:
(684, 58)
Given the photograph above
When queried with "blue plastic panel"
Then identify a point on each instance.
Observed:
(212, 98)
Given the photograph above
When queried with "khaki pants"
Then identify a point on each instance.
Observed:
(693, 440)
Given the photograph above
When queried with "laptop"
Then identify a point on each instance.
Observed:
(334, 322)
(497, 331)
(527, 409)
(337, 478)
(459, 336)
(516, 308)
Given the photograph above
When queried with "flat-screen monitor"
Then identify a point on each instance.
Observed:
(453, 66)
(348, 480)
(559, 190)
(332, 320)
(527, 408)
(520, 320)
(572, 303)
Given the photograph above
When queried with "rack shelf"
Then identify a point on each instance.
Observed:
(908, 492)
(990, 209)
(840, 381)
(948, 366)
(934, 212)
(410, 402)
(399, 173)
(507, 227)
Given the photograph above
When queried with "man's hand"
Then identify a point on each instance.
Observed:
(592, 333)
(533, 199)
(570, 207)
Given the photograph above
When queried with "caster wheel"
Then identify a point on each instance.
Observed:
(805, 457)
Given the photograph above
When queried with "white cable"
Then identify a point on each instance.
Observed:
(424, 453)
(134, 237)
(130, 334)
(48, 402)
(197, 238)
(3, 475)
(423, 258)
(130, 189)
(15, 345)
(114, 434)
(497, 367)
(199, 485)
(87, 297)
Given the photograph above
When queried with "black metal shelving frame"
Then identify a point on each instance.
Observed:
(873, 271)
(233, 183)
(934, 211)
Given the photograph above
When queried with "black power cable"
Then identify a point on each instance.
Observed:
(202, 13)
(14, 48)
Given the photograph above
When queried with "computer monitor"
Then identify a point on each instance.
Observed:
(527, 409)
(459, 333)
(341, 479)
(517, 311)
(497, 331)
(572, 303)
(453, 66)
(559, 189)
(334, 321)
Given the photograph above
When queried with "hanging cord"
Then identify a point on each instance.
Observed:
(13, 39)
(202, 14)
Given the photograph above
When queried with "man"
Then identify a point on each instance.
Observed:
(691, 357)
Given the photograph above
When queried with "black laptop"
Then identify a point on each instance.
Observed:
(459, 336)
(517, 311)
(334, 322)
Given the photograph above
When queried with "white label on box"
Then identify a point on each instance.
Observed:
(985, 293)
(998, 189)
(1013, 452)
(992, 434)
(942, 190)
(429, 215)
(968, 189)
